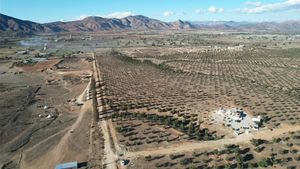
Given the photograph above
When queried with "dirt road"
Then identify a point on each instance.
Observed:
(267, 134)
(114, 138)
(110, 157)
(190, 146)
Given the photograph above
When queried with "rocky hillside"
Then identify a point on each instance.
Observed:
(16, 26)
(10, 25)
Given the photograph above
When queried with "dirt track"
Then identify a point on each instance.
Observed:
(110, 157)
(183, 147)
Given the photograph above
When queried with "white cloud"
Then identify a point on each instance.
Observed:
(281, 6)
(81, 17)
(251, 3)
(214, 9)
(168, 13)
(118, 15)
(198, 11)
(220, 10)
(111, 15)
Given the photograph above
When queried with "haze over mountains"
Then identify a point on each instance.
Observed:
(10, 25)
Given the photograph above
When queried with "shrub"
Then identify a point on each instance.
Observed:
(174, 156)
(186, 161)
(248, 157)
(265, 162)
(276, 140)
(253, 165)
(284, 151)
(291, 167)
(148, 158)
(192, 167)
(257, 142)
(294, 151)
(297, 158)
(259, 149)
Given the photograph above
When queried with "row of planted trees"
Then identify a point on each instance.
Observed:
(186, 126)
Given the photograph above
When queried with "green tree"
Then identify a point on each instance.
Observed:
(239, 160)
(191, 128)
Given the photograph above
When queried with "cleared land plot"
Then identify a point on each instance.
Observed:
(29, 129)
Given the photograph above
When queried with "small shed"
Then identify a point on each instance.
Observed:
(69, 165)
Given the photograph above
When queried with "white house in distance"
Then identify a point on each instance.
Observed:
(237, 119)
(257, 121)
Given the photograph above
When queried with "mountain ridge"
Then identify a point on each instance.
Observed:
(11, 25)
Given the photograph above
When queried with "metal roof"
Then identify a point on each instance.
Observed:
(70, 165)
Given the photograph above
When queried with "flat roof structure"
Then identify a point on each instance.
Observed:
(239, 121)
(69, 165)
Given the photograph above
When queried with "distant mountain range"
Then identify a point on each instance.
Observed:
(10, 25)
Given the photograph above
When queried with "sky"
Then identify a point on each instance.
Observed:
(43, 11)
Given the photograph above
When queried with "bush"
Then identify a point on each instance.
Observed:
(257, 142)
(259, 149)
(287, 159)
(284, 151)
(186, 161)
(232, 148)
(148, 158)
(229, 158)
(239, 160)
(291, 167)
(265, 162)
(294, 151)
(253, 165)
(297, 158)
(248, 157)
(192, 167)
(157, 165)
(195, 154)
(276, 140)
(174, 156)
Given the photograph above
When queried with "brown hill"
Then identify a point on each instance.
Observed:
(16, 26)
(92, 24)
(10, 25)
(179, 24)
